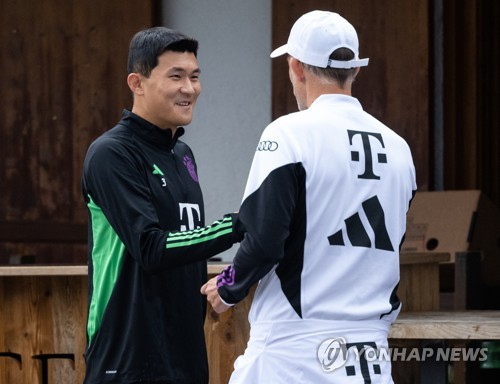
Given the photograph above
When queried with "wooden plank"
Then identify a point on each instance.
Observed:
(48, 270)
(43, 315)
(423, 258)
(419, 280)
(463, 325)
(419, 287)
(72, 270)
(460, 89)
(53, 253)
(42, 231)
(226, 336)
(404, 259)
(215, 268)
(472, 96)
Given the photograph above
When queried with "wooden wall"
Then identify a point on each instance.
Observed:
(64, 82)
(397, 86)
(472, 96)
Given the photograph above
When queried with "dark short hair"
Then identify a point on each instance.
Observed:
(340, 75)
(147, 45)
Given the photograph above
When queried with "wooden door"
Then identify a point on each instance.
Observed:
(64, 82)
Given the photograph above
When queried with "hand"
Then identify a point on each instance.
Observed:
(210, 290)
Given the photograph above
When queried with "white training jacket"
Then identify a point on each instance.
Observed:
(325, 213)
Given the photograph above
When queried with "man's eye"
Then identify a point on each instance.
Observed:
(175, 77)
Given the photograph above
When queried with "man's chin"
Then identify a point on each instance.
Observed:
(184, 122)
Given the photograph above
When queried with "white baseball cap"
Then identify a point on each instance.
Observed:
(314, 37)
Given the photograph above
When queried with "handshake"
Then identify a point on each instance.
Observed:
(209, 289)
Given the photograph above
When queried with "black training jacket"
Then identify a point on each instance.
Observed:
(148, 246)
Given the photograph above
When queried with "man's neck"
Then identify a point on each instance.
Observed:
(315, 87)
(144, 115)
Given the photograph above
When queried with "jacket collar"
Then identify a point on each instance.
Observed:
(151, 133)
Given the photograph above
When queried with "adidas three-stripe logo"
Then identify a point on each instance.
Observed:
(200, 235)
(356, 232)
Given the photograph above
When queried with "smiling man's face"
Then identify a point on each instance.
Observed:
(169, 94)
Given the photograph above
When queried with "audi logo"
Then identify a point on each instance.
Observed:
(267, 146)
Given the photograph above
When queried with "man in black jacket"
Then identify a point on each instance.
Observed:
(148, 242)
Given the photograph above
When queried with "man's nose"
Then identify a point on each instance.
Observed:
(188, 87)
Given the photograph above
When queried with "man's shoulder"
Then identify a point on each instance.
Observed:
(118, 135)
(286, 122)
(112, 144)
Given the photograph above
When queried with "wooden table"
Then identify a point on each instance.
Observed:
(460, 325)
(451, 332)
(43, 311)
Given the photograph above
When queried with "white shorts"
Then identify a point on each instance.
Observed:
(296, 352)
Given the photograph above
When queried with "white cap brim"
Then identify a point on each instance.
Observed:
(279, 51)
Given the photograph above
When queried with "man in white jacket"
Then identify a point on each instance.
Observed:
(325, 213)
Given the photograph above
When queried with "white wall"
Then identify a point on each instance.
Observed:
(235, 102)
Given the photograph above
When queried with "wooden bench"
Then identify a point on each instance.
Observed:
(450, 331)
(453, 325)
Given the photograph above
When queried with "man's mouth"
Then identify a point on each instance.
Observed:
(184, 103)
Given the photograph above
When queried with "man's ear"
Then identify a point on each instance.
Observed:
(134, 82)
(297, 68)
